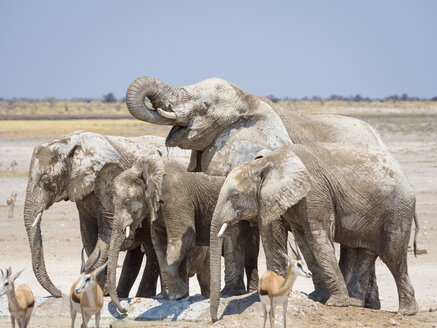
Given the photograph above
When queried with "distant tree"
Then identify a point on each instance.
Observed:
(273, 98)
(404, 97)
(434, 99)
(109, 98)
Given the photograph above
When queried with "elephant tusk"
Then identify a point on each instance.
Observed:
(38, 218)
(127, 231)
(222, 229)
(169, 115)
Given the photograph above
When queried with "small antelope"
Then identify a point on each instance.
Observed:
(11, 204)
(86, 296)
(21, 300)
(274, 289)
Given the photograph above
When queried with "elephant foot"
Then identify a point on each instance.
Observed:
(320, 295)
(181, 291)
(162, 295)
(373, 303)
(232, 291)
(356, 302)
(338, 300)
(410, 309)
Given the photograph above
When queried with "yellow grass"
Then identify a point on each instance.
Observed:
(43, 129)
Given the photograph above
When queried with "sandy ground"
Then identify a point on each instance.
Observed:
(417, 153)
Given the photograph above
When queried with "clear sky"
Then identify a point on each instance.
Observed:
(85, 48)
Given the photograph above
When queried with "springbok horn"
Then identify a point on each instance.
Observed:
(3, 274)
(294, 252)
(88, 267)
(82, 266)
(169, 115)
(297, 250)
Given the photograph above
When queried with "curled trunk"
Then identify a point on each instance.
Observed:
(160, 94)
(33, 205)
(215, 268)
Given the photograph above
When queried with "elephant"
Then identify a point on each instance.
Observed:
(356, 196)
(65, 169)
(176, 207)
(223, 126)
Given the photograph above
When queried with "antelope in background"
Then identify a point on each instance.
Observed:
(11, 204)
(86, 296)
(274, 289)
(21, 300)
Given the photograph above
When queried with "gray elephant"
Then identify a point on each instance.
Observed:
(225, 126)
(180, 206)
(353, 195)
(65, 169)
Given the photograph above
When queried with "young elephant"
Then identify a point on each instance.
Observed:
(360, 192)
(186, 202)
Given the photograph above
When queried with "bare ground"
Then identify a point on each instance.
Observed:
(414, 147)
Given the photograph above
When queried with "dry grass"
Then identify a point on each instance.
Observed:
(43, 129)
(362, 108)
(60, 108)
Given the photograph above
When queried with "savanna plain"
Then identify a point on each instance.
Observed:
(409, 130)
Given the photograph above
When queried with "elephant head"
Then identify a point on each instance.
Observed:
(202, 112)
(63, 169)
(263, 188)
(129, 195)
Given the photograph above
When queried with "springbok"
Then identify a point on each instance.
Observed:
(274, 289)
(86, 296)
(11, 204)
(21, 300)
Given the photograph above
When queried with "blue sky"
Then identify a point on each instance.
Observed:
(68, 49)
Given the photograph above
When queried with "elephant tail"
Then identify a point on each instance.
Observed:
(416, 232)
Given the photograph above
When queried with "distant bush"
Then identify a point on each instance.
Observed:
(434, 99)
(109, 98)
(273, 98)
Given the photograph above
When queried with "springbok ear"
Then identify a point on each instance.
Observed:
(284, 181)
(85, 159)
(104, 182)
(152, 172)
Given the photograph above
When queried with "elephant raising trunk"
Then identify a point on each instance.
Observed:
(160, 94)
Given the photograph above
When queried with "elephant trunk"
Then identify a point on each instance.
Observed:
(215, 266)
(160, 94)
(114, 249)
(33, 208)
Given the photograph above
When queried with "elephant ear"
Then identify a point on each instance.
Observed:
(152, 172)
(104, 182)
(85, 160)
(284, 182)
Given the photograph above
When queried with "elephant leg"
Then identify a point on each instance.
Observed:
(234, 249)
(396, 261)
(358, 283)
(372, 293)
(129, 272)
(88, 230)
(320, 293)
(275, 235)
(147, 287)
(348, 258)
(324, 253)
(199, 266)
(104, 248)
(251, 258)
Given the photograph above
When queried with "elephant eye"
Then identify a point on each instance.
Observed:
(126, 201)
(43, 180)
(235, 194)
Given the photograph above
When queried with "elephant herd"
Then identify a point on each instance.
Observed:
(234, 167)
